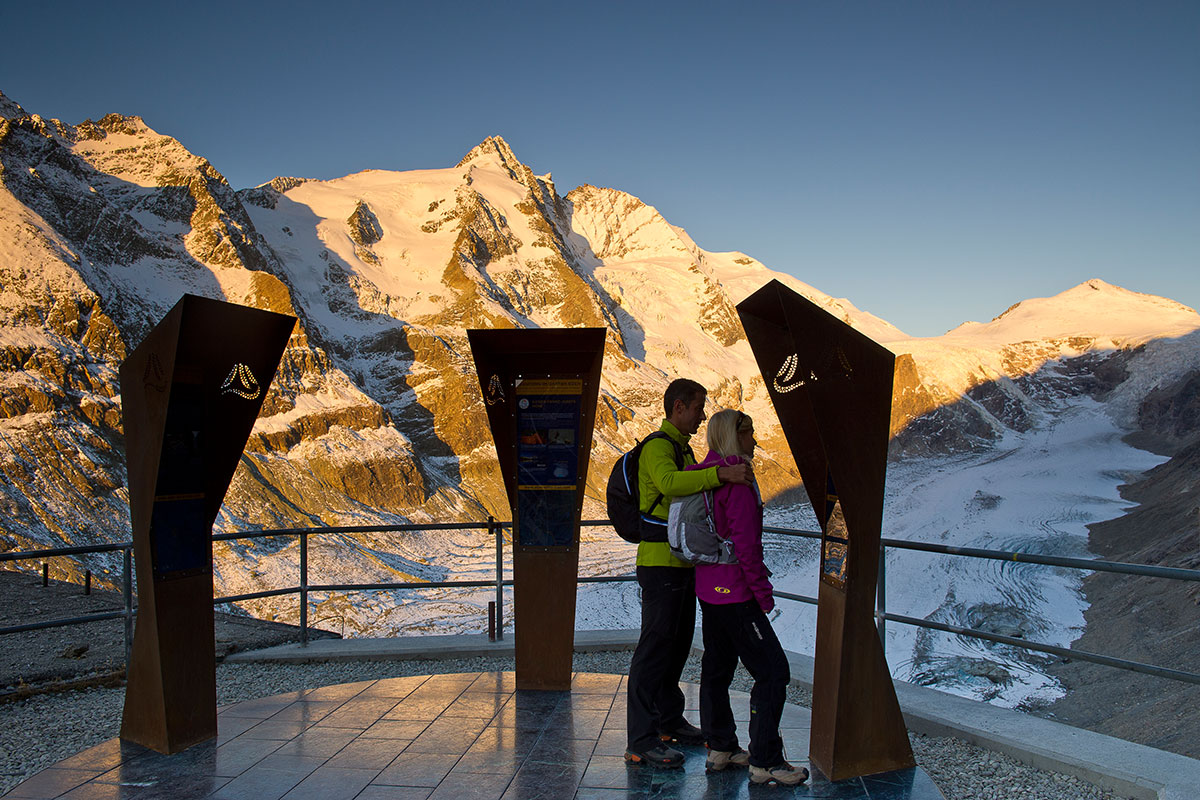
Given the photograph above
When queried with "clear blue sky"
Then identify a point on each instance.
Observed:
(931, 161)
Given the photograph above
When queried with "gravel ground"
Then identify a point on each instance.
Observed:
(40, 731)
(94, 650)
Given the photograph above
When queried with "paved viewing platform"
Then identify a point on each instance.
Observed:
(1128, 769)
(473, 735)
(468, 736)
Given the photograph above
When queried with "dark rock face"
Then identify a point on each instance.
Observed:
(9, 108)
(1151, 620)
(365, 231)
(1001, 404)
(927, 421)
(719, 317)
(1170, 415)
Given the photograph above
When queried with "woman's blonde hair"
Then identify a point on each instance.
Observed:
(723, 429)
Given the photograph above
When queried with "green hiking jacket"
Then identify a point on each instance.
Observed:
(657, 474)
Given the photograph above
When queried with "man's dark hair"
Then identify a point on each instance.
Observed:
(681, 389)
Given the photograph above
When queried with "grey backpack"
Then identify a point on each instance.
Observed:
(692, 533)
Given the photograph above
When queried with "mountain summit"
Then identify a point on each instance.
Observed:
(1094, 309)
(375, 415)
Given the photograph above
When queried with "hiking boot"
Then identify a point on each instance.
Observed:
(683, 733)
(720, 759)
(658, 756)
(782, 773)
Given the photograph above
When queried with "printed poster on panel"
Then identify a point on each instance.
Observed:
(548, 412)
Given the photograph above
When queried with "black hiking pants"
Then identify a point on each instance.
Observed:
(733, 631)
(668, 624)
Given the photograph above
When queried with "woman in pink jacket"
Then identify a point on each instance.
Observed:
(735, 600)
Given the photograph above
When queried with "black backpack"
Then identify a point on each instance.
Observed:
(622, 496)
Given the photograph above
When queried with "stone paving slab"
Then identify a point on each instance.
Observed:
(1129, 769)
(470, 736)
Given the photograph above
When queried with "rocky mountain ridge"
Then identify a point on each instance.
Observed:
(375, 415)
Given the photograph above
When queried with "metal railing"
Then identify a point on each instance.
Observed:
(882, 616)
(496, 528)
(125, 548)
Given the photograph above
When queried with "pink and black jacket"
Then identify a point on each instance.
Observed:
(738, 513)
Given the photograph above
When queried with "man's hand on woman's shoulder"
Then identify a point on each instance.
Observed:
(737, 473)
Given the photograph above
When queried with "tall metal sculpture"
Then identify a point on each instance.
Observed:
(540, 388)
(832, 388)
(190, 393)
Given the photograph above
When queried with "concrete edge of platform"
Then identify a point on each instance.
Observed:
(1127, 768)
(418, 648)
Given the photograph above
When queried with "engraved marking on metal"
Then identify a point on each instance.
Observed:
(241, 381)
(154, 378)
(787, 373)
(841, 354)
(495, 391)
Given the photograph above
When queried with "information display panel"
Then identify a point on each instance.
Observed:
(539, 388)
(547, 419)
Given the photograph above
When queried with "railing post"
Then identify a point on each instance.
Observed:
(881, 598)
(127, 580)
(498, 529)
(304, 588)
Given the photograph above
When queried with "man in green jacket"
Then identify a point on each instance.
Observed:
(655, 715)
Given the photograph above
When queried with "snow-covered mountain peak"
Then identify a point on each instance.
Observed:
(120, 124)
(496, 153)
(1093, 310)
(621, 227)
(127, 149)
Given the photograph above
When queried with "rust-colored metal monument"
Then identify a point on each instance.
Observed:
(540, 388)
(832, 389)
(190, 393)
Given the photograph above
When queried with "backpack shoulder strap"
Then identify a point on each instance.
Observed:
(710, 506)
(676, 446)
(678, 460)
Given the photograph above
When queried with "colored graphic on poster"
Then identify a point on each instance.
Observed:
(548, 411)
(836, 547)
